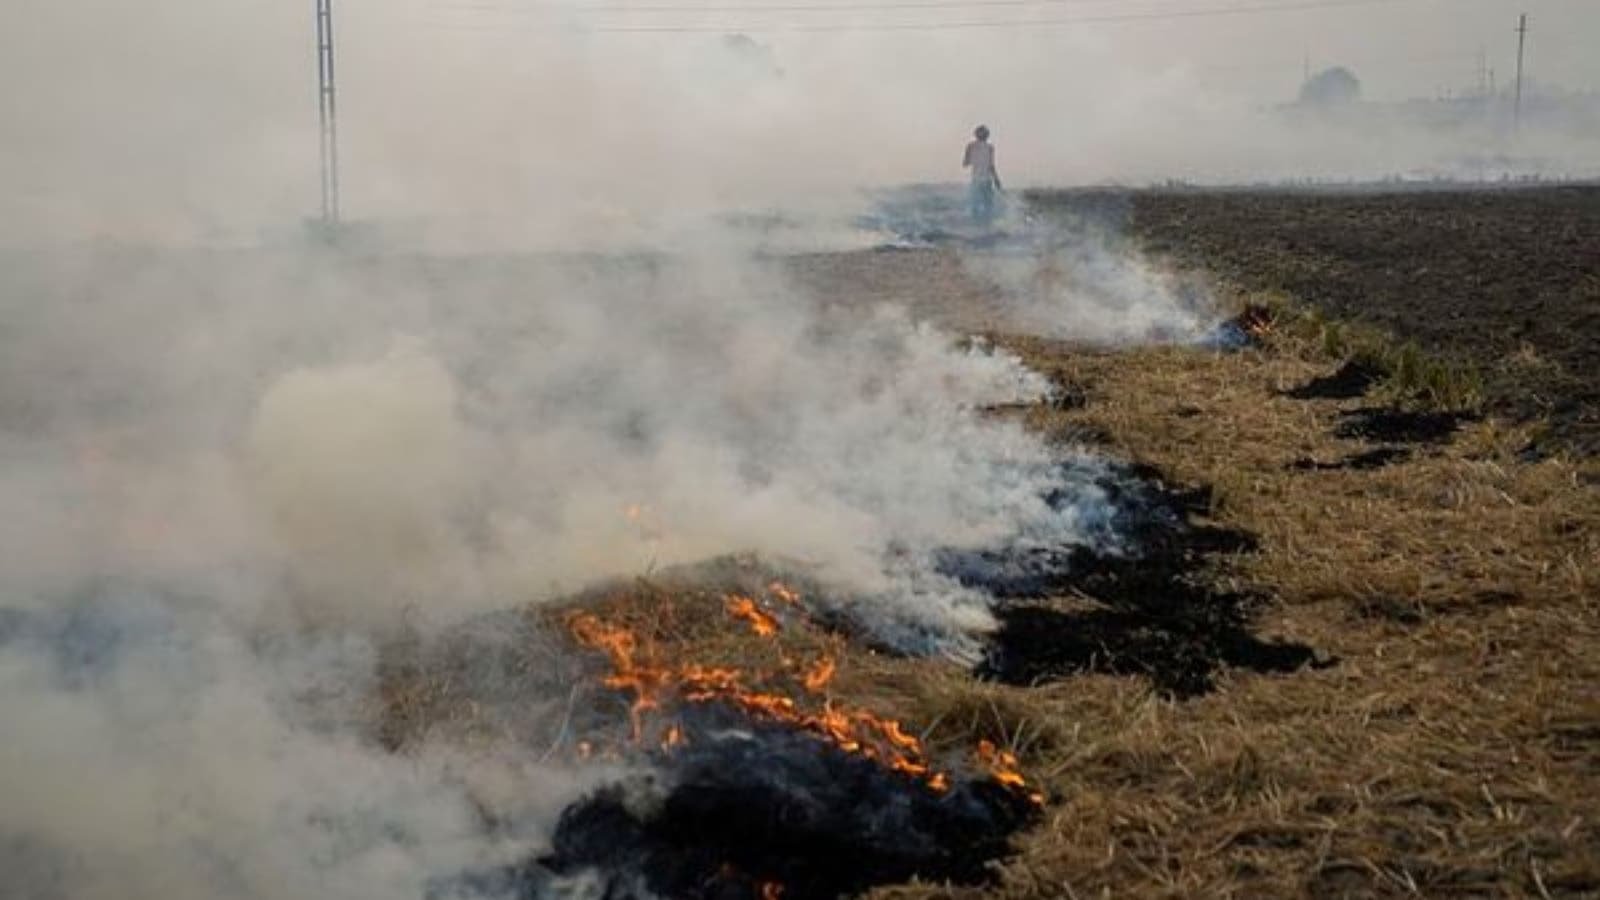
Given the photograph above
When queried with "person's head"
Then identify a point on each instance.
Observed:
(981, 133)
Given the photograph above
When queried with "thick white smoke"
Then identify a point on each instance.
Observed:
(153, 752)
(660, 412)
(1085, 282)
(232, 475)
(517, 124)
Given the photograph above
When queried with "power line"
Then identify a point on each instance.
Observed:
(1211, 12)
(1031, 23)
(1303, 63)
(536, 8)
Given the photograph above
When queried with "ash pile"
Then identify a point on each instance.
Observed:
(746, 809)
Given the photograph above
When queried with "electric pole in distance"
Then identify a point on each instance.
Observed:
(328, 114)
(1516, 104)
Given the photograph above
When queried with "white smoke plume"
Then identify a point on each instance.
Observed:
(154, 753)
(232, 475)
(236, 465)
(1085, 281)
(517, 123)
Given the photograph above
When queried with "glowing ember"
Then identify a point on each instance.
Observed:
(785, 593)
(645, 522)
(1257, 321)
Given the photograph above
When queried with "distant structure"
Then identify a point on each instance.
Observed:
(1329, 88)
(1522, 39)
(754, 60)
(327, 114)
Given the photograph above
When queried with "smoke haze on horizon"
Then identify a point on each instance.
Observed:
(235, 471)
(198, 119)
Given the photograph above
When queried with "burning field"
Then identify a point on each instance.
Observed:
(1043, 563)
(765, 784)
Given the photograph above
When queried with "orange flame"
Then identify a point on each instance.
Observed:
(819, 674)
(674, 738)
(1002, 766)
(771, 890)
(620, 646)
(785, 593)
(636, 669)
(760, 621)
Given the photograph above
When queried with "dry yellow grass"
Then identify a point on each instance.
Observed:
(1453, 750)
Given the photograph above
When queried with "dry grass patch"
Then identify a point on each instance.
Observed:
(1455, 748)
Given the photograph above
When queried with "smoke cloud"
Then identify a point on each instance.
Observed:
(234, 475)
(518, 124)
(238, 464)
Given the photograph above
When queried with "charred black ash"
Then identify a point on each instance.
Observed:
(1149, 520)
(745, 809)
(1366, 460)
(1013, 572)
(1386, 424)
(1351, 380)
(1148, 612)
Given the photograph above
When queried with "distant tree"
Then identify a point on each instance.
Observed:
(1331, 87)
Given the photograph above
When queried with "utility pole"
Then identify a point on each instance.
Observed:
(327, 113)
(1516, 107)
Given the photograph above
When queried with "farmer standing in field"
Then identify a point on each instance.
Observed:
(985, 177)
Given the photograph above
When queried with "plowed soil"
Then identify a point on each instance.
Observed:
(1507, 279)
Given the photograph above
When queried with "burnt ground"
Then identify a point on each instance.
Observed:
(1506, 279)
(1455, 584)
(1453, 750)
(1144, 613)
(743, 805)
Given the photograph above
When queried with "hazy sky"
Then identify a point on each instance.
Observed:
(1401, 47)
(194, 114)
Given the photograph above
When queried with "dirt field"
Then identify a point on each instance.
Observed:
(1507, 279)
(1364, 662)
